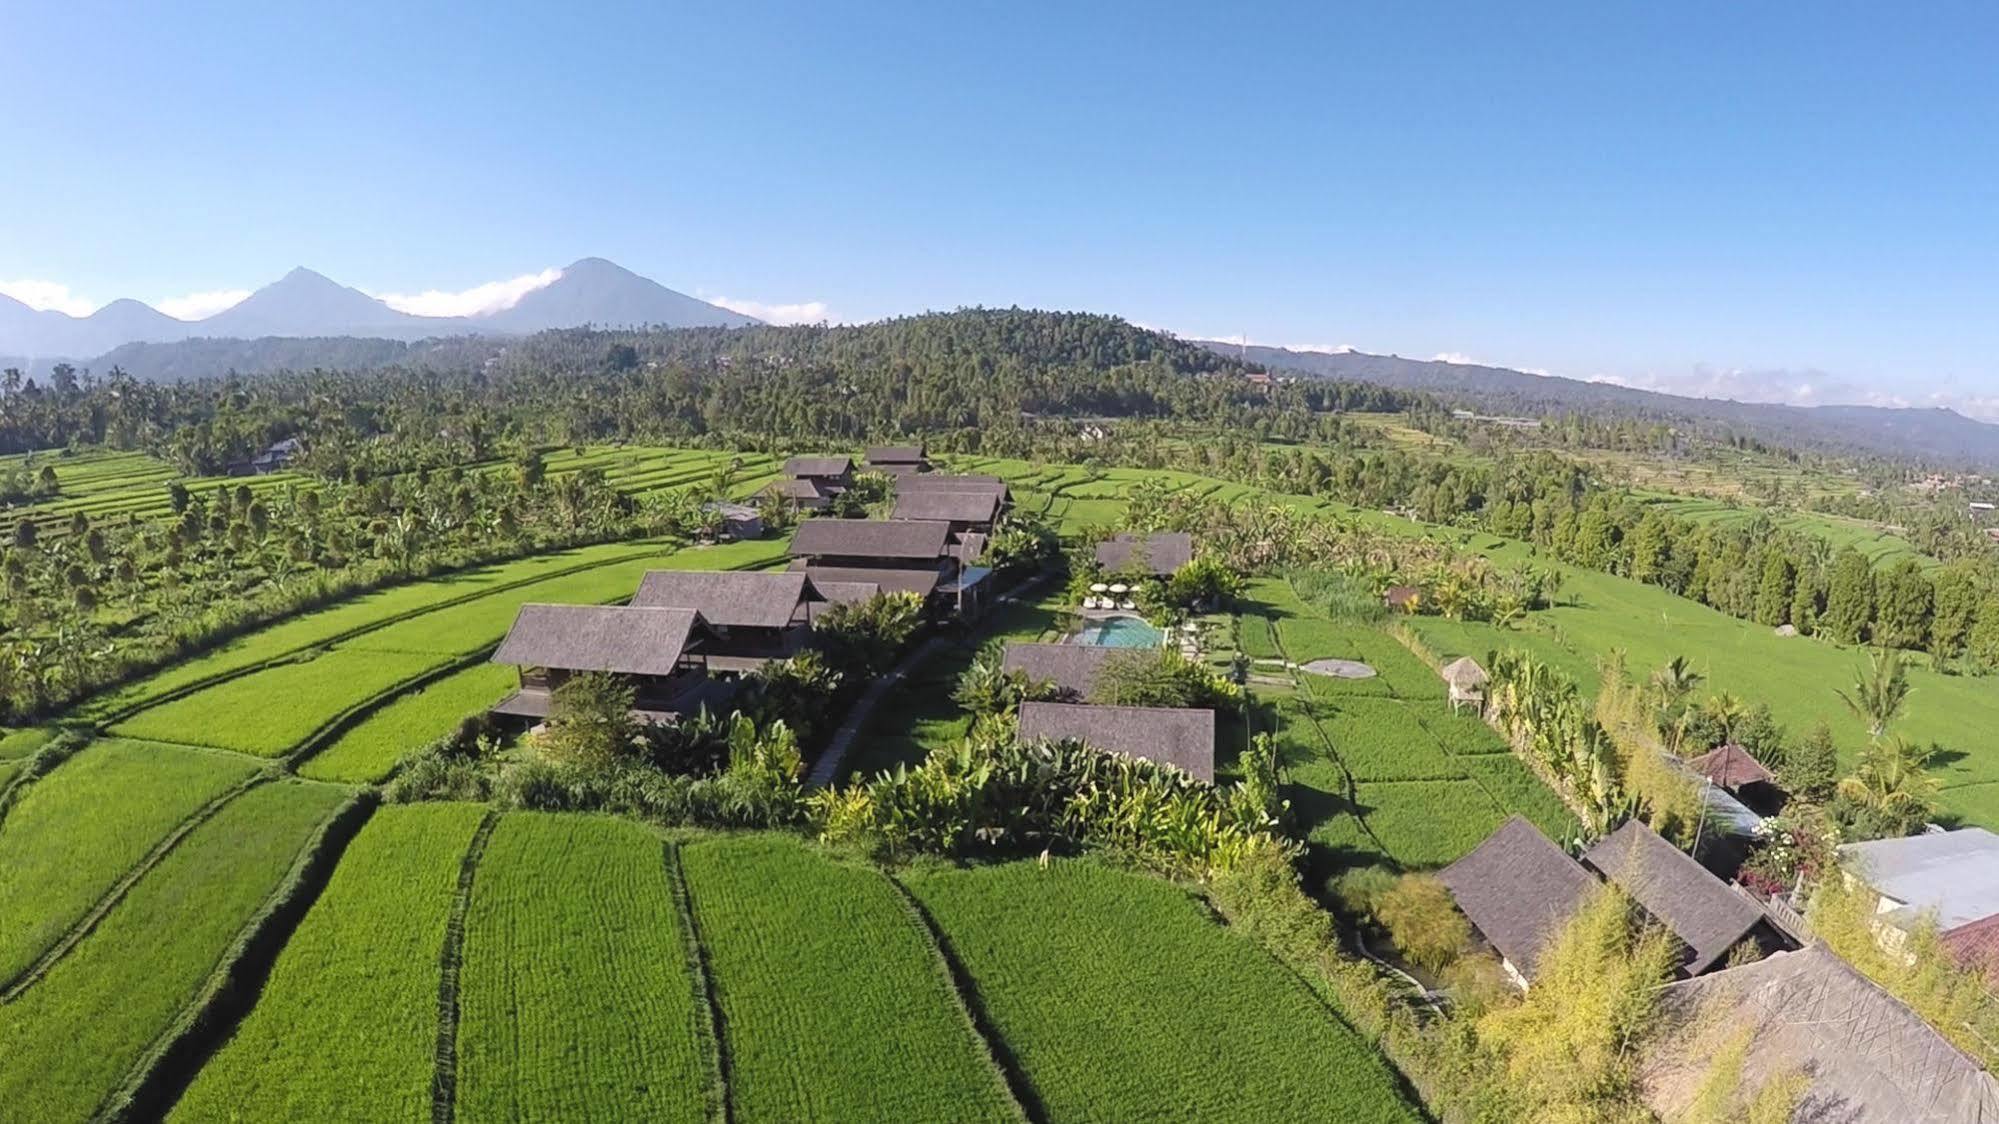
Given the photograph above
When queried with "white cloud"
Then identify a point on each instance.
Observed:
(1245, 341)
(803, 312)
(200, 306)
(1457, 357)
(49, 296)
(493, 296)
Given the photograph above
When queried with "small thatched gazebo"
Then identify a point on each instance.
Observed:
(1467, 682)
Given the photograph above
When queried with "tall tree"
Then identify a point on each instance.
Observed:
(1849, 599)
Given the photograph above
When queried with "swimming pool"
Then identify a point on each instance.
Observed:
(1118, 632)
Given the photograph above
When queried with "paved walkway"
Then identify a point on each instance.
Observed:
(826, 769)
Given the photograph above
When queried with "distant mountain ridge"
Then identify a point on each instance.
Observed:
(306, 305)
(1937, 435)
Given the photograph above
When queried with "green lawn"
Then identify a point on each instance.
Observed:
(73, 833)
(1123, 1001)
(346, 1026)
(834, 1003)
(577, 1000)
(73, 1037)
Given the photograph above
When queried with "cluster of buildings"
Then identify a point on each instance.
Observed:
(1801, 1009)
(686, 636)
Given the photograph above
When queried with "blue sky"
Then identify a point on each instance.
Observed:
(1779, 200)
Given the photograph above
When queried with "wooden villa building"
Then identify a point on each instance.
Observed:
(753, 617)
(1708, 917)
(897, 555)
(1159, 554)
(1184, 739)
(897, 460)
(812, 483)
(1731, 767)
(1071, 668)
(966, 512)
(1517, 888)
(662, 653)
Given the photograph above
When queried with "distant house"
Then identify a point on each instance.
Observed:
(1951, 877)
(899, 555)
(832, 474)
(1184, 739)
(662, 653)
(805, 495)
(1732, 767)
(954, 482)
(1072, 668)
(1975, 947)
(274, 458)
(1518, 889)
(964, 511)
(1159, 554)
(739, 520)
(1866, 1057)
(1708, 917)
(754, 617)
(897, 460)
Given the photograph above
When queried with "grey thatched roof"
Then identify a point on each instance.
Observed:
(1465, 674)
(946, 482)
(884, 579)
(899, 539)
(1519, 889)
(844, 592)
(797, 489)
(1072, 667)
(955, 507)
(1955, 873)
(818, 466)
(1160, 553)
(1182, 738)
(1732, 766)
(895, 454)
(1699, 908)
(615, 638)
(731, 599)
(1867, 1058)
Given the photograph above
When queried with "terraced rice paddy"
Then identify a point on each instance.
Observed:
(1075, 964)
(349, 1014)
(577, 1000)
(73, 1037)
(271, 712)
(835, 1006)
(367, 752)
(74, 833)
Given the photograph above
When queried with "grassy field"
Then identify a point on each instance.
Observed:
(834, 1003)
(1796, 676)
(74, 833)
(349, 1014)
(1123, 1001)
(72, 1037)
(577, 1000)
(367, 752)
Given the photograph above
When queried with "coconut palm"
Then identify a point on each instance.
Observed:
(1890, 787)
(1879, 694)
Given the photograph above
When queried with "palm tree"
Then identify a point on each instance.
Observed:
(1891, 786)
(1675, 680)
(1879, 694)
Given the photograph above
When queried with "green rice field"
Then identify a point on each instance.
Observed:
(367, 752)
(834, 1002)
(74, 1036)
(349, 1014)
(577, 1000)
(73, 833)
(1076, 963)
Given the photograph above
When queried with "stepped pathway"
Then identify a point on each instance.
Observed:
(826, 769)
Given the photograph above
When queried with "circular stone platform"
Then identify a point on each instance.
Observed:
(1339, 669)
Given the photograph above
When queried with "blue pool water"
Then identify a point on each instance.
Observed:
(1119, 632)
